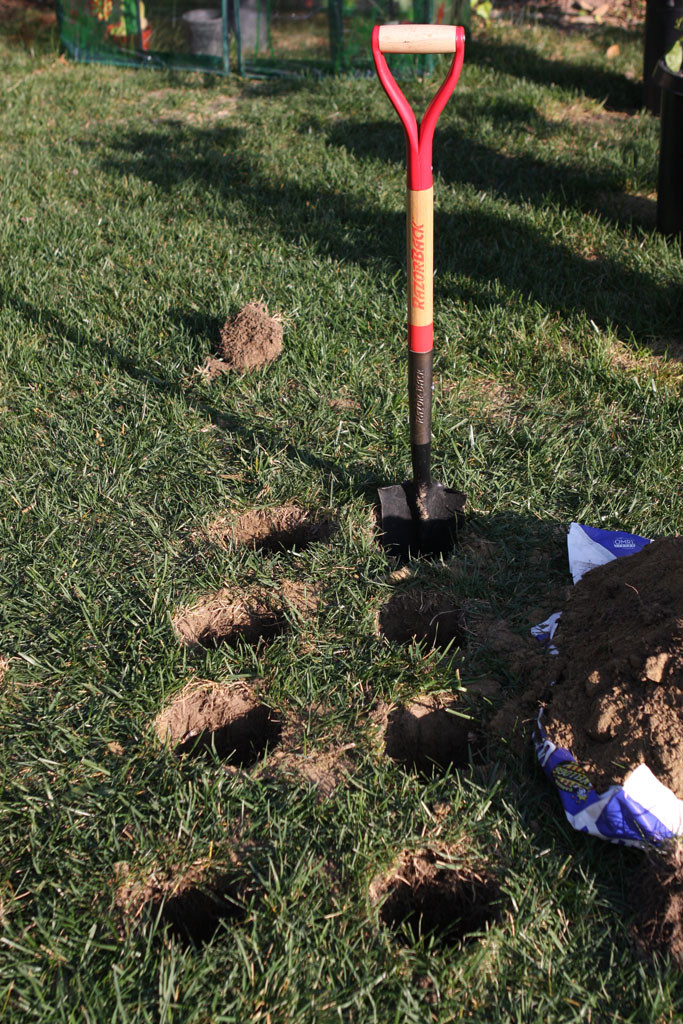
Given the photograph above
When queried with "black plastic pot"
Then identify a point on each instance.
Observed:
(663, 26)
(670, 181)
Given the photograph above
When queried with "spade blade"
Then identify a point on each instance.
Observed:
(420, 523)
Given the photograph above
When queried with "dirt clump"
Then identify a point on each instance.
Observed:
(430, 734)
(250, 338)
(223, 618)
(273, 529)
(618, 697)
(192, 902)
(421, 615)
(436, 891)
(228, 719)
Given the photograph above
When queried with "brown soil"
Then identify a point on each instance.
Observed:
(221, 618)
(575, 13)
(426, 616)
(226, 719)
(520, 652)
(192, 902)
(320, 765)
(324, 771)
(618, 698)
(527, 661)
(430, 735)
(249, 339)
(658, 902)
(273, 529)
(436, 891)
(321, 770)
(304, 598)
(514, 721)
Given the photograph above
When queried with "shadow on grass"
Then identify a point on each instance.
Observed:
(359, 477)
(460, 159)
(486, 246)
(601, 84)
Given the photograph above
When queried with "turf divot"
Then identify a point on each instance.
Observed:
(429, 735)
(425, 616)
(193, 903)
(228, 720)
(283, 528)
(222, 618)
(434, 892)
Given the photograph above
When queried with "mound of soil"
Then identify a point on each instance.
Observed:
(618, 697)
(250, 339)
(227, 719)
(434, 891)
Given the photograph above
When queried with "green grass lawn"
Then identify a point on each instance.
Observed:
(138, 211)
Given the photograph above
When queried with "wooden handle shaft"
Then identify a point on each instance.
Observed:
(420, 232)
(417, 39)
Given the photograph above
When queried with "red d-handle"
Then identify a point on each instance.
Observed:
(418, 39)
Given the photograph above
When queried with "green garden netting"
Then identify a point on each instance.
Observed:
(256, 37)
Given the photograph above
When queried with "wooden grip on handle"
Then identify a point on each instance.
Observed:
(417, 39)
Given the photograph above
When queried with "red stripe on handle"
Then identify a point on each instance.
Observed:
(420, 339)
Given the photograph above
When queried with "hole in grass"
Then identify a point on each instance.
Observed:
(431, 893)
(428, 617)
(221, 619)
(226, 719)
(285, 528)
(195, 914)
(193, 903)
(429, 735)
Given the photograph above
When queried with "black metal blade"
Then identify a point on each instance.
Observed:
(424, 523)
(398, 533)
